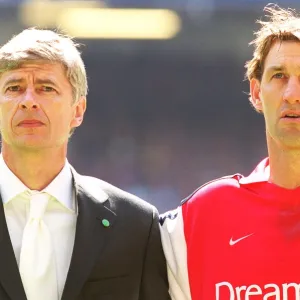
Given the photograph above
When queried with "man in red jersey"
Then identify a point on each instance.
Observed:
(238, 238)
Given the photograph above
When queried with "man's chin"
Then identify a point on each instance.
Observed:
(290, 141)
(31, 142)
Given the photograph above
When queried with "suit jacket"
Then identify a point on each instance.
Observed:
(122, 261)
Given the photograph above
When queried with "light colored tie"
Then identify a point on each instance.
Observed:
(37, 260)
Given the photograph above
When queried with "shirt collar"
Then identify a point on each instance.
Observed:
(60, 188)
(260, 174)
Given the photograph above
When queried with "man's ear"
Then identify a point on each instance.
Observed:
(255, 98)
(80, 107)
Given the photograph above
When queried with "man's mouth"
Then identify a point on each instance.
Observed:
(290, 115)
(30, 123)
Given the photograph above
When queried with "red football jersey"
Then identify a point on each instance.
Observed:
(235, 238)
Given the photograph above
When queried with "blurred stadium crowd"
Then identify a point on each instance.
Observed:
(165, 116)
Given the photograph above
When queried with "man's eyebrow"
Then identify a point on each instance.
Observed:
(16, 80)
(279, 68)
(11, 81)
(275, 68)
(46, 81)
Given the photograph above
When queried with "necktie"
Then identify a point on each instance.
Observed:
(37, 260)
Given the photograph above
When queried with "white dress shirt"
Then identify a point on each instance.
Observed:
(60, 215)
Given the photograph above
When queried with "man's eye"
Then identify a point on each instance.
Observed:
(278, 75)
(13, 88)
(48, 89)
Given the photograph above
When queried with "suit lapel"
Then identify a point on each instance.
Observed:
(10, 278)
(91, 235)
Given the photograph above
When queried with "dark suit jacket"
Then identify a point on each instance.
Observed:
(123, 261)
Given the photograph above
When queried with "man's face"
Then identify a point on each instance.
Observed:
(277, 95)
(36, 106)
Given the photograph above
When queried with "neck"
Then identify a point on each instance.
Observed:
(284, 165)
(36, 169)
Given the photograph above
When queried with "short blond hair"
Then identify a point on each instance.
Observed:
(39, 44)
(281, 25)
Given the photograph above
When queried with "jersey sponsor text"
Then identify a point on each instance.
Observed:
(271, 291)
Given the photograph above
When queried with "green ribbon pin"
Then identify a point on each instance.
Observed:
(105, 223)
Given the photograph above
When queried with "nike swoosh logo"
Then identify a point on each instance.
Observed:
(233, 242)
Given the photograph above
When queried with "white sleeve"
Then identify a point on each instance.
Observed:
(174, 245)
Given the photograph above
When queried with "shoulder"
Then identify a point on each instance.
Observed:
(104, 191)
(214, 189)
(211, 196)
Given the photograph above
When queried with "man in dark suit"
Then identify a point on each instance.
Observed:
(63, 235)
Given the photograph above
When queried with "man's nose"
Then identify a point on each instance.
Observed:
(292, 91)
(29, 100)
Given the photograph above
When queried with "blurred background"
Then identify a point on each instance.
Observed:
(168, 108)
